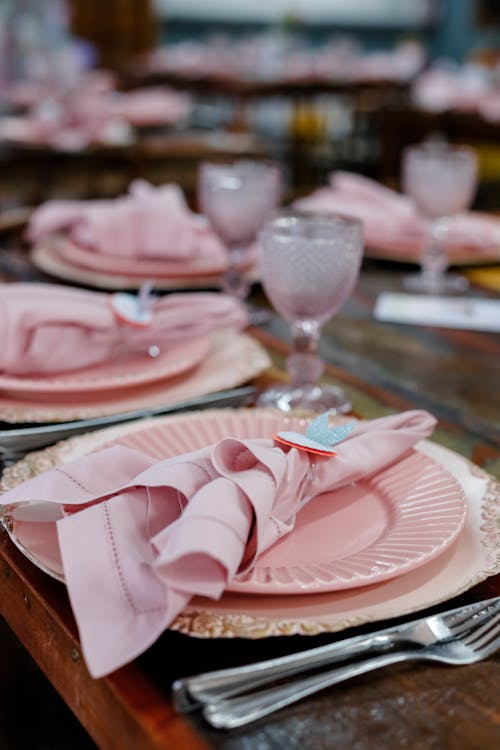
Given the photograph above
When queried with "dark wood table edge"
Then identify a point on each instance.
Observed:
(123, 710)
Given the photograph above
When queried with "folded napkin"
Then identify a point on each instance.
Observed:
(27, 129)
(162, 532)
(48, 329)
(151, 106)
(51, 124)
(26, 93)
(462, 88)
(147, 223)
(384, 213)
(391, 217)
(92, 109)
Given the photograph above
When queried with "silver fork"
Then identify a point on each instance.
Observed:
(436, 635)
(235, 712)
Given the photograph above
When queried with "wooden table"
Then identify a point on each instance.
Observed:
(384, 368)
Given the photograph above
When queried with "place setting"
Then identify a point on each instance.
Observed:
(290, 518)
(152, 233)
(119, 243)
(76, 359)
(400, 524)
(429, 222)
(429, 225)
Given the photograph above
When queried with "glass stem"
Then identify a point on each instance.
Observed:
(304, 364)
(234, 281)
(434, 260)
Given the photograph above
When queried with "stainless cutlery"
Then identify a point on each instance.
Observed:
(16, 441)
(459, 636)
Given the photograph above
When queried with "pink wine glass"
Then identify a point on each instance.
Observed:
(309, 265)
(441, 179)
(237, 198)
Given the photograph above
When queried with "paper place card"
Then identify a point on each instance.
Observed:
(448, 312)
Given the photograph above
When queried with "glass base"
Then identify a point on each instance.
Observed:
(310, 398)
(425, 283)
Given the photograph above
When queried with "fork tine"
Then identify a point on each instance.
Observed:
(490, 649)
(470, 617)
(483, 634)
(234, 712)
(463, 613)
(487, 649)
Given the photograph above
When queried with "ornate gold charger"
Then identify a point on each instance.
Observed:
(470, 559)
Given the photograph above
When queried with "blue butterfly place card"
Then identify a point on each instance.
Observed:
(319, 437)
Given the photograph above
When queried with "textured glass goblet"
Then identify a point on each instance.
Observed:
(441, 179)
(237, 199)
(309, 265)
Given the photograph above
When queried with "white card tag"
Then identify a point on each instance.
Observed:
(129, 309)
(447, 312)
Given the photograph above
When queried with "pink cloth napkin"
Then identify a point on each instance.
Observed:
(152, 106)
(464, 88)
(46, 328)
(51, 124)
(27, 93)
(25, 129)
(147, 223)
(162, 532)
(91, 112)
(391, 217)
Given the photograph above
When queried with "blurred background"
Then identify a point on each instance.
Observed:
(96, 93)
(93, 94)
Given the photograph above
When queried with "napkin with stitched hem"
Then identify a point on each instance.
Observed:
(140, 537)
(47, 329)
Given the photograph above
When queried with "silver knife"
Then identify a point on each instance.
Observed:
(16, 441)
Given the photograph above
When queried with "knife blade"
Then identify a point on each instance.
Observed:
(16, 441)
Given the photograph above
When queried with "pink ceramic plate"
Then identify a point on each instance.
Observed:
(203, 263)
(137, 369)
(46, 258)
(407, 249)
(364, 534)
(233, 359)
(357, 536)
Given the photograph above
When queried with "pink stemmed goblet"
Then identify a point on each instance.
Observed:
(441, 179)
(309, 265)
(237, 198)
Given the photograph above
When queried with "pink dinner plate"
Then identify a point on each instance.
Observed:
(408, 249)
(205, 262)
(233, 359)
(46, 258)
(364, 534)
(126, 372)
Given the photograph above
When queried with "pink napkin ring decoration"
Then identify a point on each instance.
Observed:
(319, 438)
